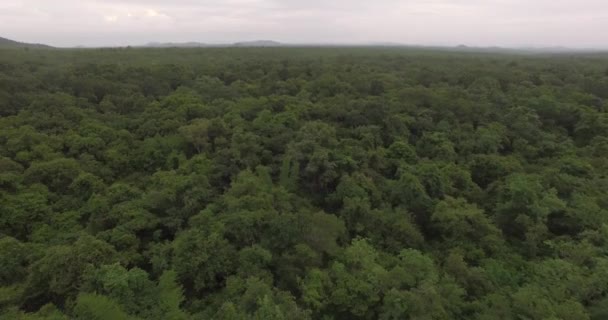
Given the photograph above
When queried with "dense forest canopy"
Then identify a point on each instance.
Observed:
(302, 183)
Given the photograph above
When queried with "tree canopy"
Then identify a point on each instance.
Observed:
(302, 183)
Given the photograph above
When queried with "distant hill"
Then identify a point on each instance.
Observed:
(8, 43)
(177, 45)
(258, 43)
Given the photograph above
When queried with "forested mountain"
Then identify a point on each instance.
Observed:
(291, 183)
(7, 43)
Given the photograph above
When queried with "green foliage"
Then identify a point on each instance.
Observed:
(60, 271)
(14, 257)
(302, 183)
(202, 260)
(92, 306)
(170, 297)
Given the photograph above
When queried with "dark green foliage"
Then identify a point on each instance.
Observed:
(292, 183)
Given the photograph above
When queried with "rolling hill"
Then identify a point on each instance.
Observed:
(246, 44)
(8, 43)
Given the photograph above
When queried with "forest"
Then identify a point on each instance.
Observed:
(303, 183)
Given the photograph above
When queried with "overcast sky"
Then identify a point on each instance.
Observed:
(572, 23)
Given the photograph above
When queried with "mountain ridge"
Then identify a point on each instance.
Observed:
(194, 44)
(8, 43)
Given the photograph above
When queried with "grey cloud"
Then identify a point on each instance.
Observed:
(475, 22)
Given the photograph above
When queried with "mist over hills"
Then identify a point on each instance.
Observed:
(8, 43)
(257, 43)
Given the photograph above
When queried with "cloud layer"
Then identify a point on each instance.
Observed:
(579, 23)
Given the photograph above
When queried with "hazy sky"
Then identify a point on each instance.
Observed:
(573, 23)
